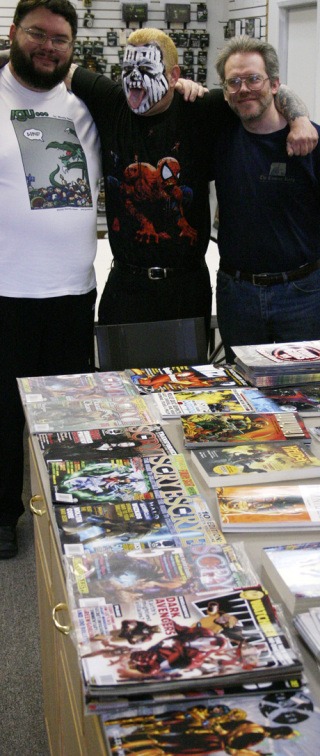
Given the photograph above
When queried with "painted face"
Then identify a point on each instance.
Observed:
(143, 77)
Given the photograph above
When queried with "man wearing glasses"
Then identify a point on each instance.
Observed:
(157, 152)
(268, 284)
(49, 186)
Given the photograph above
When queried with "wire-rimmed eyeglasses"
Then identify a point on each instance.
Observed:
(253, 82)
(40, 38)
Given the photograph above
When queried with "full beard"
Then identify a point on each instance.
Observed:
(26, 71)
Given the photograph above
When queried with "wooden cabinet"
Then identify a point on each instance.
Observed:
(70, 731)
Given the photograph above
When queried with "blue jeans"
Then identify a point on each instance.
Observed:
(249, 314)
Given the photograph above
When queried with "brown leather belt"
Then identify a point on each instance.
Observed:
(270, 279)
(155, 273)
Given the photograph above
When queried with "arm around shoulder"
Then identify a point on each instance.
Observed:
(303, 136)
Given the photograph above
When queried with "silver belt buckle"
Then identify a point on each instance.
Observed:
(256, 279)
(152, 273)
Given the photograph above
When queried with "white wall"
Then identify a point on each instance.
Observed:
(294, 30)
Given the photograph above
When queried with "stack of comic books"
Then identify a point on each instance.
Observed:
(293, 570)
(308, 626)
(288, 363)
(181, 640)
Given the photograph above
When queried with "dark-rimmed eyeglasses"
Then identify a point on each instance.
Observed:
(40, 38)
(253, 82)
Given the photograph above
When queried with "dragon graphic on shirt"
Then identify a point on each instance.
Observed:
(73, 158)
(154, 191)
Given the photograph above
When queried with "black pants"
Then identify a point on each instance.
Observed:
(133, 298)
(37, 337)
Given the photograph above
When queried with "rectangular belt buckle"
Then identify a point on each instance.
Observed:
(153, 273)
(256, 279)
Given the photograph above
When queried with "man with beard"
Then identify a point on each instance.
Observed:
(268, 284)
(49, 184)
(156, 154)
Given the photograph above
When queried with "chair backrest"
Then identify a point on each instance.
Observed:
(156, 344)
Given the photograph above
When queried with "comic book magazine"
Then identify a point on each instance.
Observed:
(64, 413)
(303, 399)
(146, 524)
(165, 477)
(76, 386)
(278, 507)
(134, 572)
(182, 640)
(279, 364)
(172, 404)
(241, 428)
(184, 378)
(99, 443)
(269, 724)
(255, 463)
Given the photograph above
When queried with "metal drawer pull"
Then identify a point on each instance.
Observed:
(65, 629)
(34, 509)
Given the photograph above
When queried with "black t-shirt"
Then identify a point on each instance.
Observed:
(156, 172)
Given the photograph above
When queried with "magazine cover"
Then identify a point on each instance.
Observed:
(99, 443)
(115, 480)
(77, 386)
(172, 404)
(269, 724)
(291, 352)
(184, 378)
(133, 572)
(241, 428)
(135, 525)
(303, 399)
(65, 413)
(255, 463)
(182, 639)
(269, 507)
(284, 354)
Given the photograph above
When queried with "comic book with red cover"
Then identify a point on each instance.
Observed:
(182, 641)
(184, 378)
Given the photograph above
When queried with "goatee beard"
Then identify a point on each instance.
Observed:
(25, 69)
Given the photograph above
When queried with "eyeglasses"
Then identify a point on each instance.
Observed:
(40, 38)
(253, 82)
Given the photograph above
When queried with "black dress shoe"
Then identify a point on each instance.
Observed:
(8, 541)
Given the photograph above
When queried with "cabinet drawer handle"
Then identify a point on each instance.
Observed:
(65, 629)
(36, 510)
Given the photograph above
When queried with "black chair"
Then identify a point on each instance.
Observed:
(156, 344)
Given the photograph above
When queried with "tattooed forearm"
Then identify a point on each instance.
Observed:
(289, 104)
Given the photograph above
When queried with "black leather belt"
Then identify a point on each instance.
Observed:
(269, 279)
(155, 273)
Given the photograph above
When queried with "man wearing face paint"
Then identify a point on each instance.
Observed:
(155, 157)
